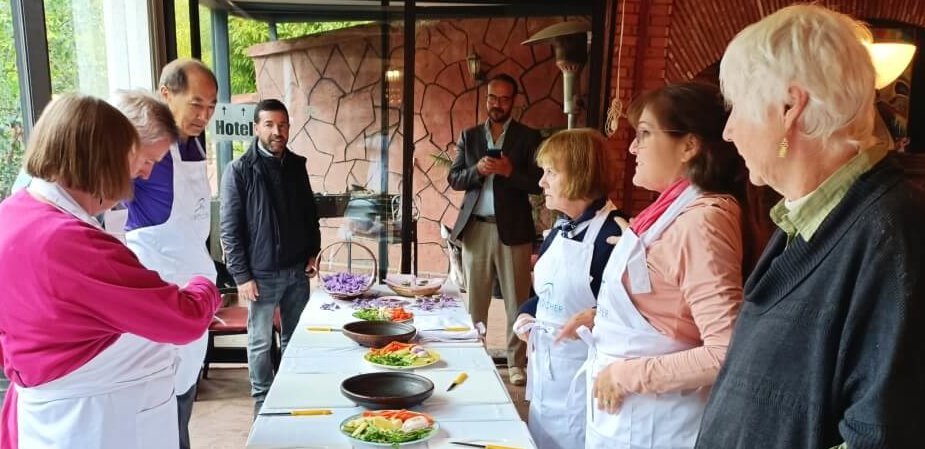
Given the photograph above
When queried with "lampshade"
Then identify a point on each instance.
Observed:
(393, 85)
(393, 75)
(891, 53)
(475, 65)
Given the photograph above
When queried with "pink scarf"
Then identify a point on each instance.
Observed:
(650, 215)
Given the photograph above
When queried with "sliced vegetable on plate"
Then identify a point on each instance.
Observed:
(390, 427)
(384, 313)
(402, 356)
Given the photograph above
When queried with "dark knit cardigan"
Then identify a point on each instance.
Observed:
(829, 345)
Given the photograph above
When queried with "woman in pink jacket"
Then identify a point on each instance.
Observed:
(82, 322)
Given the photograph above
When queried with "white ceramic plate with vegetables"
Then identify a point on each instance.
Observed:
(397, 314)
(397, 355)
(389, 428)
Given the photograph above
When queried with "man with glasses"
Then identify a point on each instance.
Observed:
(496, 166)
(169, 216)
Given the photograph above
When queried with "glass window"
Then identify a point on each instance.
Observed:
(11, 137)
(97, 46)
(181, 19)
(330, 76)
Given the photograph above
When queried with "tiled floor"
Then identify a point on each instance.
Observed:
(223, 412)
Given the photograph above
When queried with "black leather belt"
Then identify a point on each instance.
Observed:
(485, 218)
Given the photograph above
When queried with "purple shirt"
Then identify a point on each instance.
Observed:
(153, 197)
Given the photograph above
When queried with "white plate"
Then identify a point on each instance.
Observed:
(433, 433)
(406, 320)
(433, 354)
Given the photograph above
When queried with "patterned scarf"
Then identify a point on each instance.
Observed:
(567, 226)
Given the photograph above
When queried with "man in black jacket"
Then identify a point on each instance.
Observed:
(270, 236)
(496, 219)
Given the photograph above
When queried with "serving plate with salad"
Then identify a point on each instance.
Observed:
(397, 314)
(397, 355)
(390, 428)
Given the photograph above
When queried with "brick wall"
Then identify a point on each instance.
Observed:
(640, 67)
(676, 40)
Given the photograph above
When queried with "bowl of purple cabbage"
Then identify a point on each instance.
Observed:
(345, 285)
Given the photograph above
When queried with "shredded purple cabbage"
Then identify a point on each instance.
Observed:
(374, 302)
(436, 302)
(346, 283)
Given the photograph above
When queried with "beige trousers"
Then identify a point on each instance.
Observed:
(484, 257)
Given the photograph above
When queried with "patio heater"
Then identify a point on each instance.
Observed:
(570, 43)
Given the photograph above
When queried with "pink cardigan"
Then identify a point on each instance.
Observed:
(70, 290)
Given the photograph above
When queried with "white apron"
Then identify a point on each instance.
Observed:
(121, 399)
(562, 282)
(650, 421)
(176, 249)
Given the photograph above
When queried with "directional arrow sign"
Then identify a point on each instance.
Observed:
(233, 122)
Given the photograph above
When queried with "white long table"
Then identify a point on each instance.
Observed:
(479, 410)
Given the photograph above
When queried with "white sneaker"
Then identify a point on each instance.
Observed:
(516, 376)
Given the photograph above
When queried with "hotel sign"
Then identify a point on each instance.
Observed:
(232, 122)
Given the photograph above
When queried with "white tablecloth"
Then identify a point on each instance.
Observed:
(291, 432)
(306, 359)
(479, 410)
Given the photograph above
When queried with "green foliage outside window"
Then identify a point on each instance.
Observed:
(62, 43)
(10, 116)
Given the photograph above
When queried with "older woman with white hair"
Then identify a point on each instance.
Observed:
(829, 347)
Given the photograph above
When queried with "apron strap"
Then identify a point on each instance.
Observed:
(636, 265)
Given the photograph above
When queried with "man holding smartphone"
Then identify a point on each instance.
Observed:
(496, 166)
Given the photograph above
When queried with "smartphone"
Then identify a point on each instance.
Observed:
(493, 152)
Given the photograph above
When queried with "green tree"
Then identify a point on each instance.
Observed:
(10, 115)
(62, 49)
(242, 34)
(63, 62)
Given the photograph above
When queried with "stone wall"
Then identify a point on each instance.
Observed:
(332, 85)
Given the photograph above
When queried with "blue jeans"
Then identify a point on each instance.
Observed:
(184, 413)
(288, 290)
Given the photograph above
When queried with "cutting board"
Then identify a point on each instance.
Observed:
(303, 338)
(506, 433)
(316, 390)
(324, 360)
(482, 387)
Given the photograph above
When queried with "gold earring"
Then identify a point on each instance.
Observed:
(782, 148)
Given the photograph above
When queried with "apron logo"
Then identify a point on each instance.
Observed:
(546, 303)
(552, 307)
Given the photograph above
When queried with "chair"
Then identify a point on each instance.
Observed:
(234, 322)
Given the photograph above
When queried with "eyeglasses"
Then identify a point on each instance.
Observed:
(643, 135)
(492, 98)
